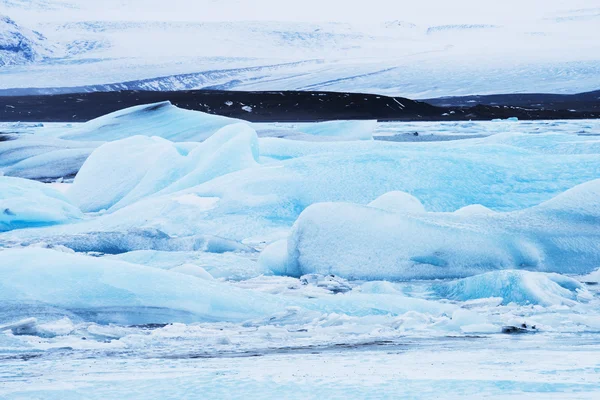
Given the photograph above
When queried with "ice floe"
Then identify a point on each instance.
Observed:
(358, 242)
(25, 203)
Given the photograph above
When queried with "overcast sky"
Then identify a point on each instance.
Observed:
(416, 11)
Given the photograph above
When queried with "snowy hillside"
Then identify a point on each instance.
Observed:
(425, 50)
(19, 45)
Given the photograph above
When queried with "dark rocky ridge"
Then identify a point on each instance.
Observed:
(582, 102)
(283, 106)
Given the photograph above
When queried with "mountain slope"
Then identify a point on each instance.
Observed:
(19, 45)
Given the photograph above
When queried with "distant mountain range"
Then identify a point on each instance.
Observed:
(295, 106)
(19, 45)
(66, 46)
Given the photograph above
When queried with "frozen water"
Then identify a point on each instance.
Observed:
(193, 270)
(246, 245)
(115, 291)
(43, 158)
(25, 203)
(160, 119)
(38, 152)
(108, 242)
(357, 242)
(347, 130)
(521, 287)
(227, 265)
(104, 290)
(124, 171)
(398, 202)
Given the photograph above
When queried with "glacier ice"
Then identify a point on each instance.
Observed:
(226, 265)
(398, 202)
(43, 158)
(192, 270)
(358, 242)
(520, 287)
(111, 291)
(274, 258)
(110, 242)
(124, 171)
(159, 119)
(115, 291)
(25, 203)
(343, 130)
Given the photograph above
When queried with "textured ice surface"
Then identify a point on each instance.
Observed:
(344, 130)
(115, 291)
(43, 158)
(398, 202)
(560, 235)
(105, 290)
(521, 287)
(124, 171)
(24, 203)
(228, 265)
(159, 119)
(38, 152)
(178, 244)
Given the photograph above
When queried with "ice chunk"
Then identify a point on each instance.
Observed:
(379, 287)
(142, 239)
(116, 168)
(159, 119)
(357, 242)
(25, 203)
(593, 278)
(193, 270)
(331, 283)
(398, 202)
(24, 326)
(343, 130)
(122, 172)
(260, 201)
(330, 131)
(474, 209)
(43, 158)
(275, 258)
(231, 266)
(520, 287)
(109, 291)
(50, 166)
(114, 291)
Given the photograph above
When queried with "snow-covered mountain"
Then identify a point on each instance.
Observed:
(425, 50)
(19, 45)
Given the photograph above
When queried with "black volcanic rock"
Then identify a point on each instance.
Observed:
(581, 102)
(274, 106)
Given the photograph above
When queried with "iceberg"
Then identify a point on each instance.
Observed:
(359, 242)
(107, 242)
(227, 265)
(341, 130)
(110, 291)
(107, 291)
(263, 202)
(520, 287)
(43, 158)
(122, 172)
(397, 201)
(158, 119)
(25, 204)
